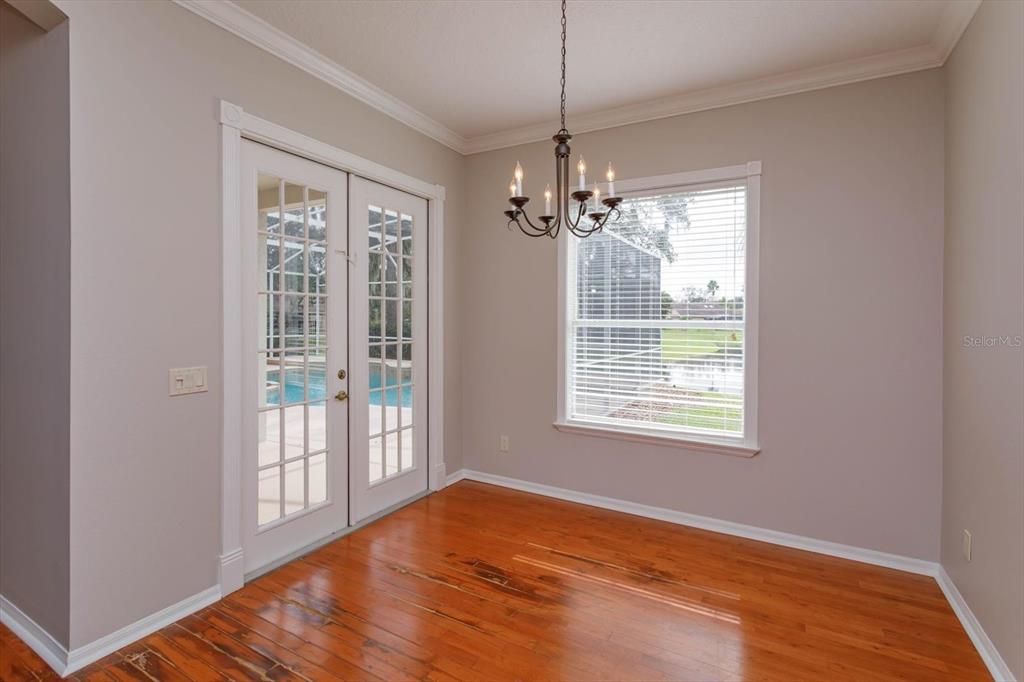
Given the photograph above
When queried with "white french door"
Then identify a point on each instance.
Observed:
(295, 298)
(388, 323)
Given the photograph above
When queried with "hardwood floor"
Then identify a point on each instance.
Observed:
(482, 583)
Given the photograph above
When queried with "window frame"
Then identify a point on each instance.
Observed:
(748, 444)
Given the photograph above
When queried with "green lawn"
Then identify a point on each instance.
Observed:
(713, 417)
(691, 344)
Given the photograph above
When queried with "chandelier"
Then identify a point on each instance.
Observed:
(587, 203)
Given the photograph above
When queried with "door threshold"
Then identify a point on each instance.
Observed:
(317, 544)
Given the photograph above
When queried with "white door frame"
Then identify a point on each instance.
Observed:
(235, 124)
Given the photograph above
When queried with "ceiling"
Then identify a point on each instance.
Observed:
(484, 74)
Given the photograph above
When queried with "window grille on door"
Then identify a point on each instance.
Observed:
(291, 364)
(391, 339)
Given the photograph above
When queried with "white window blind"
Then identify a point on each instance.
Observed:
(657, 315)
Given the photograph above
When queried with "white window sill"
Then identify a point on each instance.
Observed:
(686, 442)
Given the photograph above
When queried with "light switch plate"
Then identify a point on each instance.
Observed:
(186, 380)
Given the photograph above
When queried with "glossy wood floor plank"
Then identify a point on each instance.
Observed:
(482, 583)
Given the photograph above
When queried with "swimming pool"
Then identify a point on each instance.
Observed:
(293, 389)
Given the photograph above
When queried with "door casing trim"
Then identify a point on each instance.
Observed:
(235, 124)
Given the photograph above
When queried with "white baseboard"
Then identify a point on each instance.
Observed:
(84, 655)
(231, 572)
(868, 556)
(996, 666)
(995, 663)
(64, 662)
(455, 477)
(28, 631)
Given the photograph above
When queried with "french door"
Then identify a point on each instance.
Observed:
(335, 357)
(388, 323)
(295, 458)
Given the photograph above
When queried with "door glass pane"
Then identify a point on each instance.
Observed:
(291, 299)
(376, 460)
(269, 441)
(391, 342)
(317, 426)
(317, 257)
(294, 486)
(269, 495)
(292, 378)
(294, 312)
(408, 456)
(391, 231)
(391, 454)
(294, 431)
(317, 479)
(294, 209)
(407, 235)
(316, 205)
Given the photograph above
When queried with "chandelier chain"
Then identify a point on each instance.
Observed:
(563, 68)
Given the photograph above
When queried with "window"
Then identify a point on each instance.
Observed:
(659, 334)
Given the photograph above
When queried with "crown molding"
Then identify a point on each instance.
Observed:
(952, 24)
(42, 13)
(888, 64)
(229, 16)
(251, 28)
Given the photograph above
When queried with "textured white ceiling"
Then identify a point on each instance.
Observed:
(483, 66)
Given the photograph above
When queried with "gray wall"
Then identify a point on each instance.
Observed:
(983, 472)
(34, 320)
(146, 282)
(851, 305)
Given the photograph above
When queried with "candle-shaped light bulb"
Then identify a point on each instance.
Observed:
(611, 180)
(597, 198)
(582, 168)
(547, 200)
(512, 188)
(519, 179)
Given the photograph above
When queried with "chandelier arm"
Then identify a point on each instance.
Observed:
(534, 231)
(527, 232)
(585, 231)
(531, 234)
(600, 223)
(579, 214)
(529, 222)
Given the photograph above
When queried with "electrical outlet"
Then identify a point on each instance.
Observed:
(967, 544)
(503, 443)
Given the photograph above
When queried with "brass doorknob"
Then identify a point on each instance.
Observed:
(341, 395)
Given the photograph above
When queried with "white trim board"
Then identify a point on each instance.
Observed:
(746, 446)
(232, 18)
(252, 29)
(868, 556)
(37, 639)
(996, 665)
(64, 662)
